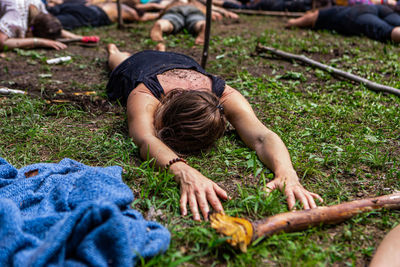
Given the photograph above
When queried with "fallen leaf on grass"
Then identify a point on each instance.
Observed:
(85, 93)
(31, 173)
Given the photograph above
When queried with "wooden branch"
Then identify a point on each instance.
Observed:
(371, 85)
(206, 34)
(267, 13)
(243, 232)
(119, 10)
(8, 91)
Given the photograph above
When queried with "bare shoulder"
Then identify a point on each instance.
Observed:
(231, 97)
(141, 101)
(236, 107)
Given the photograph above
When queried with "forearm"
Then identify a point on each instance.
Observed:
(154, 148)
(20, 43)
(273, 153)
(69, 35)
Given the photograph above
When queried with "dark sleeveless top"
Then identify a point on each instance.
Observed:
(143, 67)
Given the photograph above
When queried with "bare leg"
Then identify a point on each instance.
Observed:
(115, 57)
(156, 34)
(387, 253)
(200, 29)
(396, 35)
(306, 21)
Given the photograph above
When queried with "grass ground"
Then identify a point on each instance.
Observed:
(344, 139)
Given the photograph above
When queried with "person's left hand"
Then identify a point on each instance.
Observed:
(293, 190)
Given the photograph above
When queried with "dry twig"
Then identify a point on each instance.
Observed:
(371, 85)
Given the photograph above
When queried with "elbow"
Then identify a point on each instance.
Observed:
(263, 139)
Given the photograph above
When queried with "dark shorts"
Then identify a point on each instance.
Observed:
(74, 16)
(183, 17)
(374, 21)
(273, 5)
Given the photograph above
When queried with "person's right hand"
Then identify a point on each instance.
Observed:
(51, 44)
(198, 191)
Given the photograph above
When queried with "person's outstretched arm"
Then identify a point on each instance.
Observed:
(269, 147)
(28, 42)
(196, 189)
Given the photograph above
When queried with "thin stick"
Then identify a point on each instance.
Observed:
(267, 13)
(242, 232)
(371, 85)
(206, 34)
(119, 10)
(8, 91)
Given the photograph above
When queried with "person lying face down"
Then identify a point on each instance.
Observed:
(166, 123)
(75, 15)
(268, 5)
(190, 15)
(378, 22)
(26, 24)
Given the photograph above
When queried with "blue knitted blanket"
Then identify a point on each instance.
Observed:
(70, 214)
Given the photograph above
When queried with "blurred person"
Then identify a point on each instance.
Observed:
(378, 22)
(181, 15)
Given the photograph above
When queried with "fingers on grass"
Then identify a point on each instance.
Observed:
(316, 196)
(214, 201)
(193, 207)
(183, 204)
(203, 204)
(270, 187)
(311, 201)
(303, 199)
(290, 199)
(220, 192)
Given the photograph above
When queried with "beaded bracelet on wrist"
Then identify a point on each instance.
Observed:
(175, 160)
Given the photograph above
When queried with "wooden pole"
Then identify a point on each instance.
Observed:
(371, 85)
(206, 34)
(267, 13)
(242, 232)
(119, 10)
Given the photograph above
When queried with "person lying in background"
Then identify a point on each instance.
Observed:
(366, 2)
(181, 15)
(74, 16)
(166, 123)
(378, 22)
(268, 5)
(26, 24)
